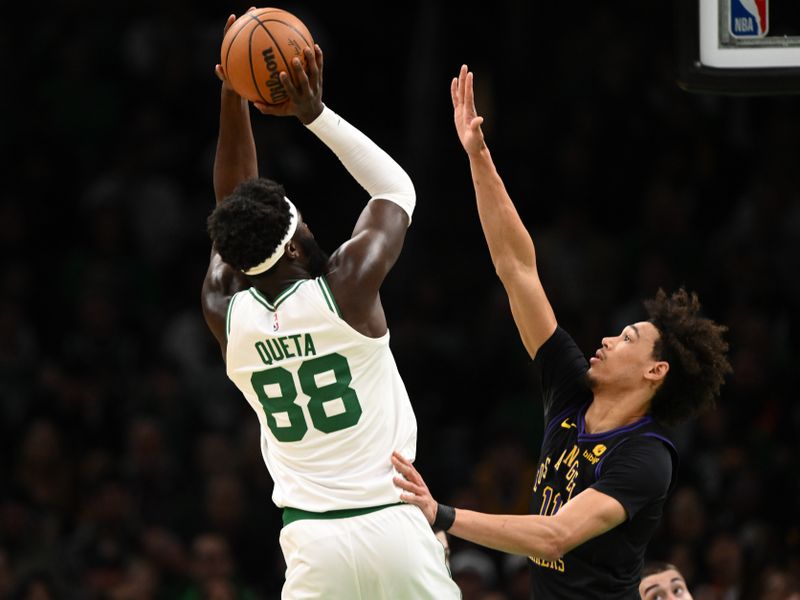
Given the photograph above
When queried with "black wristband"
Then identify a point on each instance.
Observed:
(445, 516)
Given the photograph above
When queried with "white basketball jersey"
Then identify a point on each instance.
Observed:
(330, 400)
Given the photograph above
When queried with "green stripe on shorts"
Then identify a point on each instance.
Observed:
(290, 515)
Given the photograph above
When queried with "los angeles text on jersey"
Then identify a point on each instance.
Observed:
(558, 480)
(558, 565)
(273, 350)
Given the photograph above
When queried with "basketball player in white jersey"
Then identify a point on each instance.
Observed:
(305, 339)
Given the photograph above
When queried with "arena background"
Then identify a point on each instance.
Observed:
(129, 465)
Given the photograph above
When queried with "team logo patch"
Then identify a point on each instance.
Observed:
(598, 450)
(749, 18)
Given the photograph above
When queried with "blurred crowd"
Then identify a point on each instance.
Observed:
(130, 466)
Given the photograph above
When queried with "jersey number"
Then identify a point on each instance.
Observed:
(284, 402)
(547, 508)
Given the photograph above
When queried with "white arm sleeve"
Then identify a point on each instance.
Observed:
(370, 166)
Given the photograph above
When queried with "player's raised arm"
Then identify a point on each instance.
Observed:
(358, 267)
(510, 244)
(234, 161)
(235, 157)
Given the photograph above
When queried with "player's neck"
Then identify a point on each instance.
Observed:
(612, 409)
(274, 284)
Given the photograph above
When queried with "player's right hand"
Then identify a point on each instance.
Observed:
(305, 98)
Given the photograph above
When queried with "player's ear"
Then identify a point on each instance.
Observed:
(657, 371)
(292, 249)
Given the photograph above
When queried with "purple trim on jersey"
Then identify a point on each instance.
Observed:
(593, 437)
(662, 438)
(555, 419)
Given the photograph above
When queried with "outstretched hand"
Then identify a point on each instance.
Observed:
(417, 492)
(218, 70)
(305, 98)
(468, 123)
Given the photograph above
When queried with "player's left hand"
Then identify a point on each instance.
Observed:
(417, 492)
(305, 98)
(218, 70)
(468, 122)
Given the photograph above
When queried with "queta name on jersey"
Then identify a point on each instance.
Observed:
(276, 349)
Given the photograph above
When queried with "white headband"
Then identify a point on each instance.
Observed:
(276, 256)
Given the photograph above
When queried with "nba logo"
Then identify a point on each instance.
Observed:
(749, 18)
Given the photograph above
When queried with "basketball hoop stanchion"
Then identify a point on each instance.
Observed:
(739, 47)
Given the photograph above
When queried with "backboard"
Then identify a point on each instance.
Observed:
(744, 47)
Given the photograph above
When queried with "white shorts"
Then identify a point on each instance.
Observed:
(389, 554)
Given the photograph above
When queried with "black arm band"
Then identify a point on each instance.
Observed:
(445, 516)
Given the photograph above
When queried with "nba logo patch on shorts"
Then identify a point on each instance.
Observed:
(749, 18)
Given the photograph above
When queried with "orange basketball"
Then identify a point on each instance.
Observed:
(257, 47)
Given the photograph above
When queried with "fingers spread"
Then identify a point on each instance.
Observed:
(469, 96)
(311, 65)
(410, 499)
(400, 458)
(406, 485)
(300, 75)
(402, 465)
(288, 84)
(318, 56)
(462, 77)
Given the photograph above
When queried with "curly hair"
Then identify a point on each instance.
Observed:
(247, 226)
(696, 352)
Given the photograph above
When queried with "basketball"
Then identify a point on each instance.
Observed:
(257, 47)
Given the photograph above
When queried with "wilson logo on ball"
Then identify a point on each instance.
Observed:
(277, 93)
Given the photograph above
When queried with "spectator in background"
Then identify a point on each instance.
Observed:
(663, 581)
(39, 585)
(778, 584)
(724, 561)
(7, 573)
(474, 572)
(213, 571)
(517, 576)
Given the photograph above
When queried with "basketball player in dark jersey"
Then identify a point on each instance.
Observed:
(606, 465)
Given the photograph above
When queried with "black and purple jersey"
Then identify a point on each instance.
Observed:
(635, 464)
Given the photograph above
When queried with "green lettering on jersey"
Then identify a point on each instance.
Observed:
(275, 349)
(285, 347)
(263, 353)
(320, 394)
(281, 407)
(309, 346)
(296, 339)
